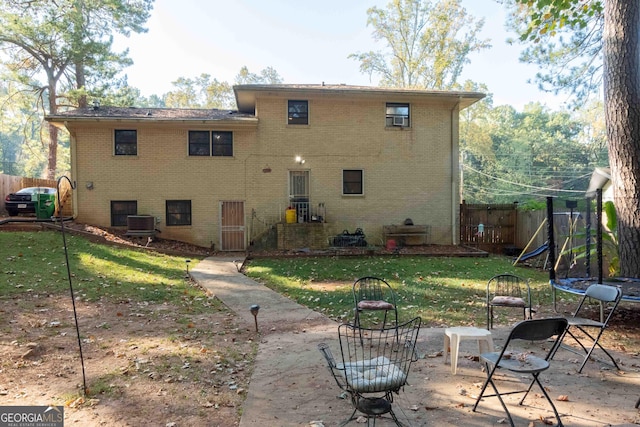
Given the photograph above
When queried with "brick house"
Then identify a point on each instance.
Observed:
(292, 166)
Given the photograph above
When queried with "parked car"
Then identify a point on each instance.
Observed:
(26, 200)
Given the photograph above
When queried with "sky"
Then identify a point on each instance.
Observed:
(306, 42)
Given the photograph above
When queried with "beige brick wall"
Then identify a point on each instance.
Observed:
(407, 172)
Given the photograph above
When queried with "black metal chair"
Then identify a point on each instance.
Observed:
(608, 298)
(372, 294)
(508, 290)
(371, 372)
(522, 362)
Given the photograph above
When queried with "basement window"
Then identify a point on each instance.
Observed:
(120, 210)
(178, 212)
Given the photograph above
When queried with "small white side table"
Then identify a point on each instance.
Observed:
(453, 336)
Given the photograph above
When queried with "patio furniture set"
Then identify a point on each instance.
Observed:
(377, 349)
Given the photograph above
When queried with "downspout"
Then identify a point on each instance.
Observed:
(455, 214)
(73, 148)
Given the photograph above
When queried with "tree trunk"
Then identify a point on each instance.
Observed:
(622, 113)
(81, 83)
(52, 158)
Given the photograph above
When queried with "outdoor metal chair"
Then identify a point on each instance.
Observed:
(508, 290)
(608, 298)
(521, 362)
(372, 294)
(371, 372)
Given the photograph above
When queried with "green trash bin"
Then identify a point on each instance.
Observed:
(46, 205)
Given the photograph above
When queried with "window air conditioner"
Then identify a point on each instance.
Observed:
(400, 121)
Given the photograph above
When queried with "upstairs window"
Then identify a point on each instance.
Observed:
(199, 144)
(120, 210)
(210, 143)
(178, 212)
(397, 115)
(126, 142)
(221, 144)
(352, 182)
(298, 113)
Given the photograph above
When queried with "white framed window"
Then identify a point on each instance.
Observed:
(397, 115)
(352, 182)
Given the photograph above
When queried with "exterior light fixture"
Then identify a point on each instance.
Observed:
(254, 310)
(300, 160)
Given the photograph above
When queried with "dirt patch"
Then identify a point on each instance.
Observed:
(144, 364)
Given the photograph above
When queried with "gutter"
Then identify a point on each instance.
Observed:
(73, 148)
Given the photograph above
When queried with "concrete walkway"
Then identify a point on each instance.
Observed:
(287, 351)
(291, 386)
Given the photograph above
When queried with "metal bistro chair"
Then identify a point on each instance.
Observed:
(608, 298)
(373, 371)
(376, 295)
(522, 362)
(508, 290)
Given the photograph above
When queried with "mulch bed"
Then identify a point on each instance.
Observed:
(172, 247)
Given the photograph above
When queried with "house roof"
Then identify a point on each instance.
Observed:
(246, 94)
(100, 113)
(246, 100)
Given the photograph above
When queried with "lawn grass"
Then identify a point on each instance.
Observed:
(444, 291)
(35, 262)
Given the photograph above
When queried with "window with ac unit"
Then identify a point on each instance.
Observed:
(397, 115)
(120, 210)
(298, 112)
(178, 212)
(126, 142)
(352, 182)
(210, 143)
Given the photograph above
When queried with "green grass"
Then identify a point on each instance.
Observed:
(35, 262)
(443, 291)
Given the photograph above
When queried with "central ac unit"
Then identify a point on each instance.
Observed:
(400, 121)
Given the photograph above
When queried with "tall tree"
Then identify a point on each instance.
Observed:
(427, 43)
(68, 43)
(205, 92)
(533, 153)
(567, 47)
(267, 76)
(621, 80)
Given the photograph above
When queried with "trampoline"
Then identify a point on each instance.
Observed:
(578, 285)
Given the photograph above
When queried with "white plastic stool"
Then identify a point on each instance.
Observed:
(453, 336)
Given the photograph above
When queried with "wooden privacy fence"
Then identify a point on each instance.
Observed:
(490, 228)
(11, 184)
(503, 229)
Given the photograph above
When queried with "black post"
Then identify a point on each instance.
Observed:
(552, 250)
(551, 240)
(588, 241)
(599, 232)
